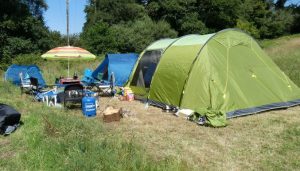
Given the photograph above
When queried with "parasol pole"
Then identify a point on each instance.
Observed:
(68, 67)
(67, 1)
(68, 38)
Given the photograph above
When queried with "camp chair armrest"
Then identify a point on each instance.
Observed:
(50, 86)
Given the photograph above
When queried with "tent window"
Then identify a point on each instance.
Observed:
(146, 68)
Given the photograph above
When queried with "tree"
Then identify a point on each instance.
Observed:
(265, 18)
(248, 27)
(280, 4)
(137, 35)
(130, 25)
(219, 14)
(120, 26)
(296, 14)
(260, 17)
(113, 12)
(128, 37)
(177, 14)
(22, 29)
(191, 24)
(99, 38)
(194, 16)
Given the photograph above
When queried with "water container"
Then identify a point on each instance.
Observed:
(130, 96)
(89, 106)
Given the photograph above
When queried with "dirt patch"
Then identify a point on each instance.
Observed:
(4, 143)
(236, 146)
(4, 152)
(7, 154)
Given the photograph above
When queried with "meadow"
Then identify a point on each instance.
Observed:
(59, 139)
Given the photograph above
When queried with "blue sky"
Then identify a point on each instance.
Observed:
(293, 2)
(55, 16)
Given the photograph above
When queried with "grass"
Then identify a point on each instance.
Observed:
(271, 43)
(253, 142)
(286, 54)
(57, 139)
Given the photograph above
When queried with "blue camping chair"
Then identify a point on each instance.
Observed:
(40, 93)
(88, 78)
(102, 86)
(114, 70)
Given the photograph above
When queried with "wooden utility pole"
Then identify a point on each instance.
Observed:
(67, 1)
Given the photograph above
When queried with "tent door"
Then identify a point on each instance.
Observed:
(146, 68)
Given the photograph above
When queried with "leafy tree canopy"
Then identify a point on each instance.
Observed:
(22, 29)
(130, 25)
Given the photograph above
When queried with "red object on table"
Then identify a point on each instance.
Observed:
(69, 81)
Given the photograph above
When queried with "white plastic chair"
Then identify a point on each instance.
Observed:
(24, 84)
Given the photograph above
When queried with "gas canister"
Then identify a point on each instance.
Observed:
(89, 106)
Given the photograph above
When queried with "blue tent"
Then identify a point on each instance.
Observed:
(119, 64)
(13, 73)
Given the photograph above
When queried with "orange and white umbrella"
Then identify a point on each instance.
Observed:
(68, 53)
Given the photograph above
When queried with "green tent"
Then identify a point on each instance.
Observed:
(219, 76)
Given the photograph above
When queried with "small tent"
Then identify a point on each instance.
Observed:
(120, 65)
(12, 74)
(219, 75)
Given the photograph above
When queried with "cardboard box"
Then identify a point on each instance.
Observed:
(111, 115)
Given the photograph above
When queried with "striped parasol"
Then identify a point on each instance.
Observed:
(68, 53)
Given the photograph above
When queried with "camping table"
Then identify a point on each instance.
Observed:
(69, 81)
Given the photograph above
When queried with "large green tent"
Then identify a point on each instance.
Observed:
(219, 75)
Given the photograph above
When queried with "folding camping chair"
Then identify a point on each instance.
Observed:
(25, 85)
(41, 94)
(87, 77)
(102, 86)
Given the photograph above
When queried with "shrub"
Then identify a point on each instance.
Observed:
(28, 59)
(248, 27)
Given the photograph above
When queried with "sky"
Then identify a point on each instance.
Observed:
(293, 2)
(55, 16)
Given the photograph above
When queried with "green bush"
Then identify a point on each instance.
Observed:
(28, 59)
(248, 28)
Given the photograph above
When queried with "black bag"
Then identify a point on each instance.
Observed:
(9, 119)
